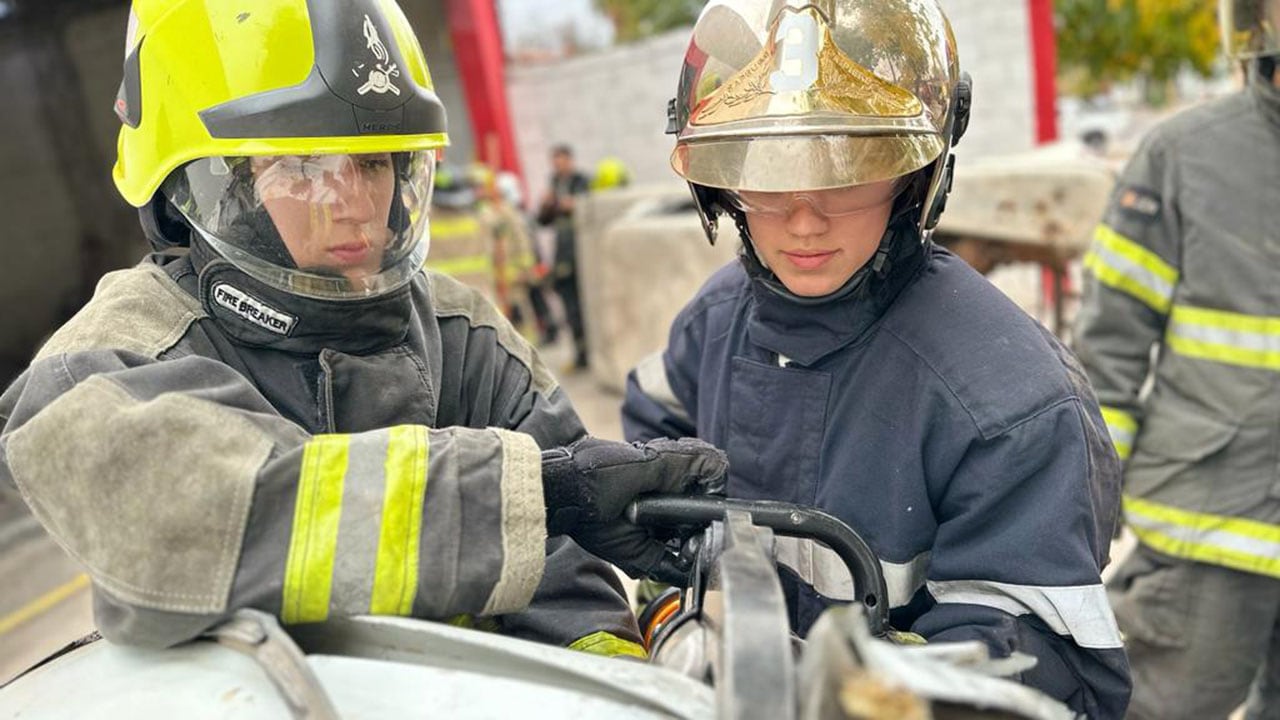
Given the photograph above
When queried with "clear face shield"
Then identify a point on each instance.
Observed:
(333, 227)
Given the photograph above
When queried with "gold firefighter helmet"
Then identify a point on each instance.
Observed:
(1250, 28)
(297, 137)
(793, 95)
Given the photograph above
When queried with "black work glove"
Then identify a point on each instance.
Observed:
(588, 485)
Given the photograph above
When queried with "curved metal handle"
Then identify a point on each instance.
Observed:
(784, 519)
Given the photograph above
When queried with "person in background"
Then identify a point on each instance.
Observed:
(1179, 331)
(556, 212)
(461, 242)
(513, 257)
(847, 363)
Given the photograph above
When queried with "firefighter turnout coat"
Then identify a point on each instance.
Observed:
(201, 443)
(1185, 264)
(938, 420)
(462, 248)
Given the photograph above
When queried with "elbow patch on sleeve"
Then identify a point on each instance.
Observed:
(158, 526)
(140, 310)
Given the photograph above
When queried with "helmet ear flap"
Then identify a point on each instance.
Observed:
(162, 224)
(947, 170)
(964, 105)
(707, 200)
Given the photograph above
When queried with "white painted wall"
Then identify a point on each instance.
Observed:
(994, 39)
(614, 102)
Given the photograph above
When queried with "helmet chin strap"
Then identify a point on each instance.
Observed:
(905, 219)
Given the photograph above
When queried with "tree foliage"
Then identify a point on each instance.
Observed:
(636, 19)
(1105, 42)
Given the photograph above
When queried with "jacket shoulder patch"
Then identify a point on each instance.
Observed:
(450, 298)
(1139, 203)
(140, 310)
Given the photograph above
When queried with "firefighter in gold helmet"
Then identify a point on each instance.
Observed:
(848, 363)
(279, 409)
(1185, 260)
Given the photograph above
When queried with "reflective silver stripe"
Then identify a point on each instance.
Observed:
(359, 524)
(651, 374)
(1221, 539)
(1139, 274)
(442, 524)
(1257, 342)
(823, 570)
(1080, 611)
(1120, 436)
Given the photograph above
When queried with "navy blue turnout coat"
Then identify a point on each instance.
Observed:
(932, 415)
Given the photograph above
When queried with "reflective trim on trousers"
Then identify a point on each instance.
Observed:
(608, 645)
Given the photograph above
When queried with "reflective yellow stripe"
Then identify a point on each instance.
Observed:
(1237, 543)
(1226, 337)
(395, 574)
(467, 265)
(308, 575)
(517, 266)
(454, 227)
(609, 645)
(471, 622)
(1122, 427)
(1125, 265)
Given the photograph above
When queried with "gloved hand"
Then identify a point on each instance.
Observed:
(588, 485)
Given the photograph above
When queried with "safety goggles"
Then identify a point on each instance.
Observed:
(835, 202)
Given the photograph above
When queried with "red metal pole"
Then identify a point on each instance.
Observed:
(1044, 53)
(477, 46)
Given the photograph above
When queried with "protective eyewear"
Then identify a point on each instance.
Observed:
(836, 202)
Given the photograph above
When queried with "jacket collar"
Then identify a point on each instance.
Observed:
(253, 313)
(806, 333)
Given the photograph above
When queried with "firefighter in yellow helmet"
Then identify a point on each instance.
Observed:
(1185, 260)
(279, 409)
(846, 362)
(610, 173)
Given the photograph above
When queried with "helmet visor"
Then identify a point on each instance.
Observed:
(1250, 28)
(332, 227)
(807, 162)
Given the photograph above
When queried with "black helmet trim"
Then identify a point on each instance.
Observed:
(128, 105)
(359, 85)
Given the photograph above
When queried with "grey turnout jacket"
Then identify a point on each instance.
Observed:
(202, 443)
(1185, 262)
